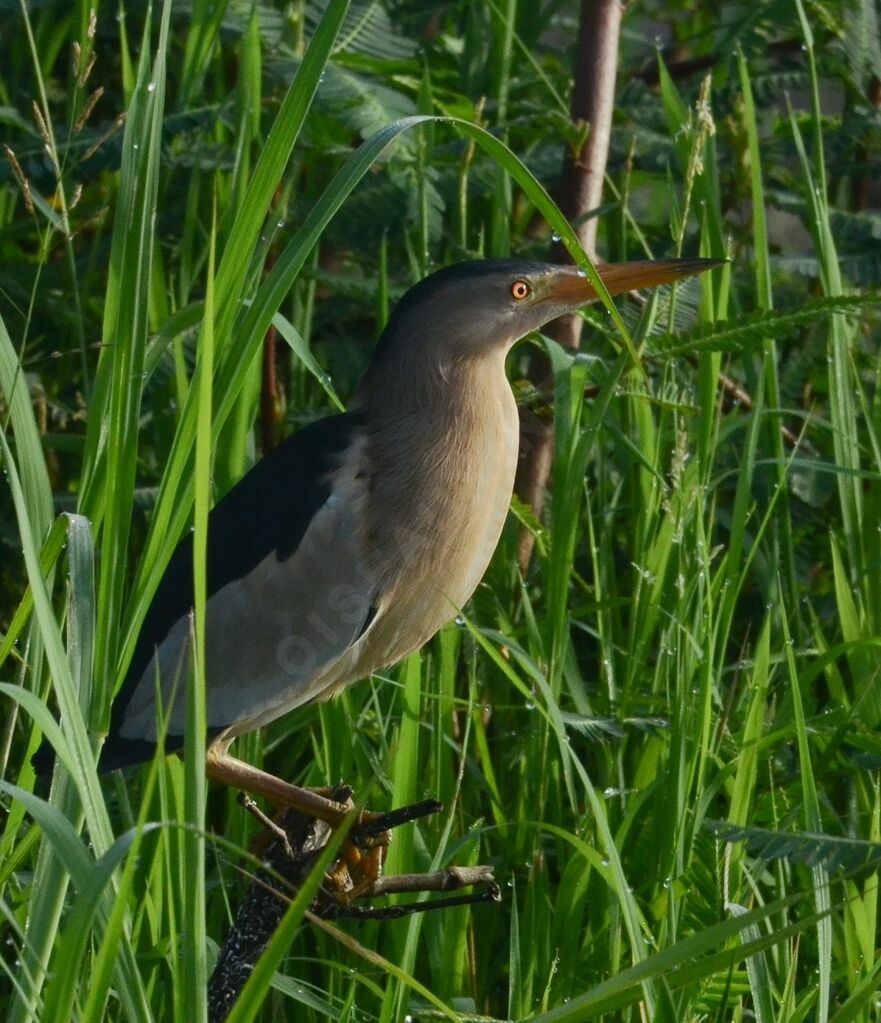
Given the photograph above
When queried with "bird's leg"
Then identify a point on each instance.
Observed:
(359, 867)
(360, 863)
(222, 767)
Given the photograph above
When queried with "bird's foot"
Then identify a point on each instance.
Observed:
(357, 871)
(359, 866)
(360, 876)
(450, 879)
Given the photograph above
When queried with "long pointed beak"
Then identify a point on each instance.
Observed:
(573, 288)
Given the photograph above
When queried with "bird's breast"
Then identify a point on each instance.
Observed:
(441, 481)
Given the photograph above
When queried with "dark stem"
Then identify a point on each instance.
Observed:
(581, 190)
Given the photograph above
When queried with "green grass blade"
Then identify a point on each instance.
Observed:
(195, 971)
(115, 423)
(813, 822)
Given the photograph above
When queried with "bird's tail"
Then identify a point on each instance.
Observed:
(43, 761)
(115, 753)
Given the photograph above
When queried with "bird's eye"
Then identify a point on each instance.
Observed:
(520, 290)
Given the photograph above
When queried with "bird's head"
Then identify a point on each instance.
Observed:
(486, 305)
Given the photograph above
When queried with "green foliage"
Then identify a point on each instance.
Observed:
(665, 736)
(830, 851)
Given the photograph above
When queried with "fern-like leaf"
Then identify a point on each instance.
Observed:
(599, 729)
(810, 848)
(750, 331)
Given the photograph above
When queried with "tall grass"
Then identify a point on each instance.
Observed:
(664, 737)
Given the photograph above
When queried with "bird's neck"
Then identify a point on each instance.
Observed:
(455, 430)
(416, 384)
(456, 436)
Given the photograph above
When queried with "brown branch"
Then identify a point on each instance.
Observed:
(581, 190)
(448, 880)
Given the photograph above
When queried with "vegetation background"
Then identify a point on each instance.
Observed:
(664, 735)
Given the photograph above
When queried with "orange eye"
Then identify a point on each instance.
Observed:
(520, 290)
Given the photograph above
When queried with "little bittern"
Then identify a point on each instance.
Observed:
(355, 540)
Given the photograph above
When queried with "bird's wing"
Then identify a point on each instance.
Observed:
(287, 594)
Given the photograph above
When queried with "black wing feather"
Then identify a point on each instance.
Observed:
(269, 509)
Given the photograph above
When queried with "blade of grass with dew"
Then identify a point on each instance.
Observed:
(405, 790)
(742, 790)
(61, 220)
(813, 822)
(37, 496)
(175, 493)
(62, 991)
(846, 441)
(51, 874)
(195, 972)
(115, 956)
(234, 449)
(861, 657)
(84, 778)
(757, 969)
(202, 32)
(551, 711)
(681, 964)
(20, 416)
(570, 457)
(114, 417)
(49, 554)
(299, 347)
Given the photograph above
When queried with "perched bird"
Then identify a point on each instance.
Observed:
(355, 540)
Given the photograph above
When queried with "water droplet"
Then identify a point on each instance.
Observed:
(279, 223)
(151, 87)
(555, 237)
